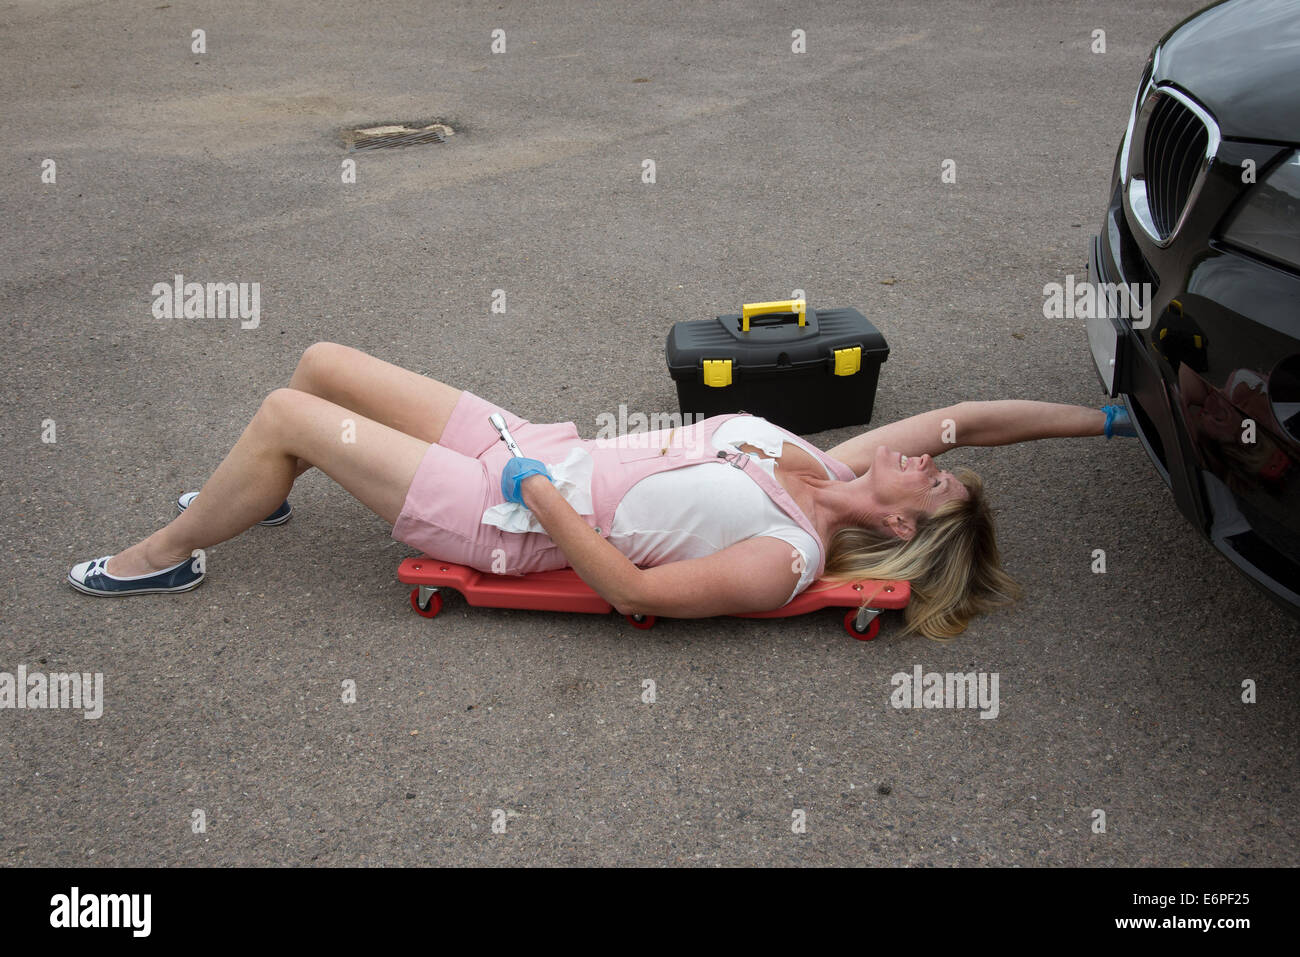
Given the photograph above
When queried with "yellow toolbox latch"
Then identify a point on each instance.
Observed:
(848, 361)
(717, 372)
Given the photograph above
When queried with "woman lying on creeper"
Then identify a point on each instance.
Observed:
(729, 515)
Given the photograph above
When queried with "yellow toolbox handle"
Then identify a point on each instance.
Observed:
(798, 306)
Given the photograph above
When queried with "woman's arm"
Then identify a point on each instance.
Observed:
(996, 422)
(1007, 421)
(754, 575)
(597, 562)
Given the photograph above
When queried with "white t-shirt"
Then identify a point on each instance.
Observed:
(700, 509)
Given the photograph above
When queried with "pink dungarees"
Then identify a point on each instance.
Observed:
(460, 477)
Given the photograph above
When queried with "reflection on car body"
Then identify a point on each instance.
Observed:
(1204, 206)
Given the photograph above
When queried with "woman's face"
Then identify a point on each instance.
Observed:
(910, 485)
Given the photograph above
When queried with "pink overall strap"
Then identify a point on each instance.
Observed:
(780, 496)
(701, 436)
(624, 461)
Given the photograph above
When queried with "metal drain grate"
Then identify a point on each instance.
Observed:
(390, 135)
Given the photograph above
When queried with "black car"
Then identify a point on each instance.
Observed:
(1204, 230)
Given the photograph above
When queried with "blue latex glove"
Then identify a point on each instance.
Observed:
(515, 472)
(1118, 421)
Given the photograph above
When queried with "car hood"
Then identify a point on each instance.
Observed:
(1241, 60)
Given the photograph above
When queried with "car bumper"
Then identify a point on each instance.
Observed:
(1136, 378)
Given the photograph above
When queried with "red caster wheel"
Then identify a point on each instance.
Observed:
(851, 626)
(428, 611)
(644, 622)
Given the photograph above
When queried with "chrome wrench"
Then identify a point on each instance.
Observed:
(499, 423)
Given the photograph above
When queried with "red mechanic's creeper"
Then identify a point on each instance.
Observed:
(563, 590)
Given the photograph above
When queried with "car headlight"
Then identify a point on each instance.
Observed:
(1266, 221)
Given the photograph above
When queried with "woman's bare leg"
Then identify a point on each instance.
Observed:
(398, 398)
(372, 461)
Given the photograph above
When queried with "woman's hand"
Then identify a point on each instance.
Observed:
(1118, 421)
(515, 471)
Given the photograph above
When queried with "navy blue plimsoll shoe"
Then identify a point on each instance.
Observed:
(92, 578)
(278, 517)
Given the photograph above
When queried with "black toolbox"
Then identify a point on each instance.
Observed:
(805, 370)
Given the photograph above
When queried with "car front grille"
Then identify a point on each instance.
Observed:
(1168, 150)
(1173, 155)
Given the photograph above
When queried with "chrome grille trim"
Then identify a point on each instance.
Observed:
(1173, 142)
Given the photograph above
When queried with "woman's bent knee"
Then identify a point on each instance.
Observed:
(282, 407)
(320, 355)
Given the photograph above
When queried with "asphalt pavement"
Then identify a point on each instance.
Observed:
(512, 737)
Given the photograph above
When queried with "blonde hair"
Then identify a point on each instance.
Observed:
(952, 563)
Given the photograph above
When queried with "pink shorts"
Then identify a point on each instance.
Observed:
(460, 477)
